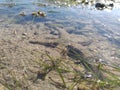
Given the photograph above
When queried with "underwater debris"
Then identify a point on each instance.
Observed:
(101, 6)
(46, 44)
(39, 13)
(43, 14)
(41, 75)
(36, 33)
(74, 52)
(77, 55)
(54, 32)
(22, 14)
(34, 14)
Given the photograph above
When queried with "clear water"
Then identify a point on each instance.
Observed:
(101, 27)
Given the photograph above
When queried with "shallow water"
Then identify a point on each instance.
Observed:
(97, 31)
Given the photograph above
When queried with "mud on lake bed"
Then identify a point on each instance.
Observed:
(59, 51)
(24, 47)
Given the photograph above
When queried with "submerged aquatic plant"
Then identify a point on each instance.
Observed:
(89, 76)
(53, 64)
(100, 75)
(94, 76)
(39, 13)
(34, 14)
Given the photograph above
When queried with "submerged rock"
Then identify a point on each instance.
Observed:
(36, 33)
(74, 52)
(43, 14)
(39, 13)
(34, 14)
(100, 6)
(54, 32)
(22, 14)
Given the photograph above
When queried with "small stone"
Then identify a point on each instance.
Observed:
(88, 76)
(36, 33)
(25, 34)
(22, 14)
(100, 6)
(99, 60)
(43, 14)
(54, 32)
(34, 14)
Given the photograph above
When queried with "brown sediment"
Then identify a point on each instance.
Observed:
(23, 56)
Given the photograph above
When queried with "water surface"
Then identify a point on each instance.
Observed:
(97, 31)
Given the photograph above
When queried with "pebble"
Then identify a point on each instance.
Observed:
(87, 75)
(86, 43)
(25, 34)
(36, 33)
(54, 32)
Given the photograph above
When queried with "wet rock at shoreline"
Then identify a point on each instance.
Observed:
(22, 14)
(100, 6)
